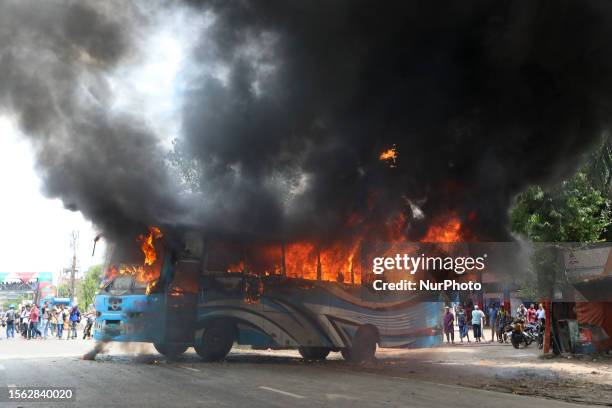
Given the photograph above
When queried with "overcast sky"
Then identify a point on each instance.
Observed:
(35, 231)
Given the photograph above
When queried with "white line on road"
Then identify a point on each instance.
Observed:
(11, 385)
(191, 369)
(339, 396)
(289, 394)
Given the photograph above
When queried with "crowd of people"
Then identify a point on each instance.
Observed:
(48, 321)
(497, 317)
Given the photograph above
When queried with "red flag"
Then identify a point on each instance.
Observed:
(25, 276)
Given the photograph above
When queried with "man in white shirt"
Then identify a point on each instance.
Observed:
(477, 317)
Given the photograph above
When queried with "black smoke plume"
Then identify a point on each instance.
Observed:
(480, 98)
(290, 103)
(55, 61)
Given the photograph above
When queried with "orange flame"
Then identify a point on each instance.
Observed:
(147, 247)
(338, 261)
(238, 267)
(149, 271)
(447, 231)
(390, 156)
(150, 286)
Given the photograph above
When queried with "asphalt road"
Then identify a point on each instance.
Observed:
(125, 379)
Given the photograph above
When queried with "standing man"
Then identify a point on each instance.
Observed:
(501, 323)
(493, 320)
(462, 321)
(10, 322)
(75, 318)
(477, 318)
(531, 314)
(44, 319)
(53, 320)
(34, 318)
(541, 314)
(521, 312)
(90, 316)
(61, 317)
(449, 327)
(25, 321)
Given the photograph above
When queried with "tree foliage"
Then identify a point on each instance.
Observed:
(88, 287)
(575, 210)
(572, 211)
(63, 290)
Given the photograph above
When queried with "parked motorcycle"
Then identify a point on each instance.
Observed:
(504, 333)
(523, 334)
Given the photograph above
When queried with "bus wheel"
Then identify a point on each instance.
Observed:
(216, 342)
(363, 348)
(314, 353)
(170, 349)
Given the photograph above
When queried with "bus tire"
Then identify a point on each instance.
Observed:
(314, 353)
(217, 341)
(170, 349)
(363, 347)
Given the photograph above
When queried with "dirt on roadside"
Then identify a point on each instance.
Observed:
(500, 367)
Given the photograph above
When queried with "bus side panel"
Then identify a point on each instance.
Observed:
(290, 314)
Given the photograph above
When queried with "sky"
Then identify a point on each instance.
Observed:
(35, 231)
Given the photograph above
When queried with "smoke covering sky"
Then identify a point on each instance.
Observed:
(281, 108)
(32, 221)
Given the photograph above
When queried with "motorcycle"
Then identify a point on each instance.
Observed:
(538, 333)
(504, 333)
(521, 333)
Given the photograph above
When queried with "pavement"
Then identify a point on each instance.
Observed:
(134, 375)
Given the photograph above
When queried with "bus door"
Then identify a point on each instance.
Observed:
(182, 302)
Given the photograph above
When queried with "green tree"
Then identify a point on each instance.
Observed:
(63, 290)
(88, 287)
(572, 211)
(16, 301)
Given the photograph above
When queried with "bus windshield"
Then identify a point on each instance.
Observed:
(124, 285)
(127, 273)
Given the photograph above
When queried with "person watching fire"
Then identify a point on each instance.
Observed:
(532, 314)
(449, 327)
(477, 319)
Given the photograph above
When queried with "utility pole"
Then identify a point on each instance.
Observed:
(73, 245)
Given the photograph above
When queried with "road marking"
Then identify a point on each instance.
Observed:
(289, 394)
(339, 396)
(11, 385)
(191, 369)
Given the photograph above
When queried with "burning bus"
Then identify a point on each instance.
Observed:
(210, 294)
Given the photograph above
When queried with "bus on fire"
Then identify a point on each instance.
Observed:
(194, 292)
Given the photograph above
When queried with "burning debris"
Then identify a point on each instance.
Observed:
(390, 156)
